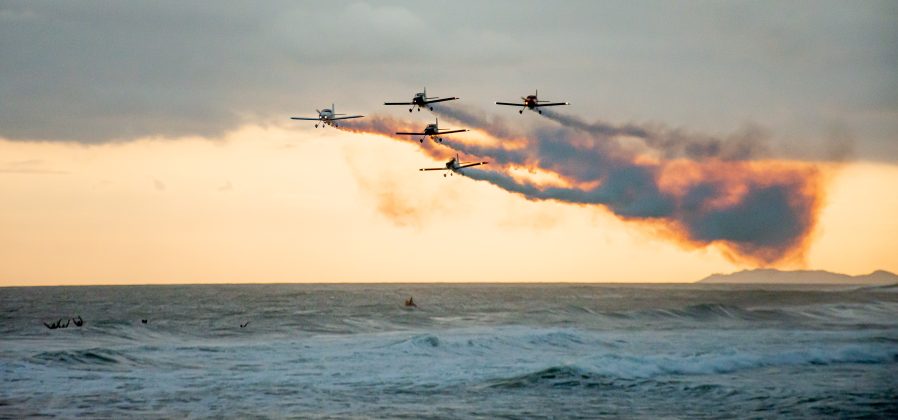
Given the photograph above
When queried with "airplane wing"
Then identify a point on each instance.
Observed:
(452, 131)
(510, 103)
(552, 104)
(346, 118)
(467, 165)
(305, 119)
(431, 101)
(410, 134)
(399, 103)
(434, 169)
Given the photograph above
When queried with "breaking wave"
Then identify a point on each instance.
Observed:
(609, 369)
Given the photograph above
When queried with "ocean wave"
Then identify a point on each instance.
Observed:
(94, 358)
(889, 288)
(739, 361)
(865, 313)
(610, 370)
(416, 343)
(556, 377)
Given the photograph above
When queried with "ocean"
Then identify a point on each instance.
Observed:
(467, 351)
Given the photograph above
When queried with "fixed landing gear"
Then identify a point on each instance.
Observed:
(410, 109)
(316, 125)
(431, 108)
(540, 112)
(440, 139)
(422, 140)
(521, 111)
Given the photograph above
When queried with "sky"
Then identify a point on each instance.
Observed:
(151, 142)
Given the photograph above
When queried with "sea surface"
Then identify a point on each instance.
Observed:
(467, 351)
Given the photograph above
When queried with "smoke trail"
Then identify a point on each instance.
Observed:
(707, 190)
(387, 127)
(703, 190)
(491, 124)
(750, 143)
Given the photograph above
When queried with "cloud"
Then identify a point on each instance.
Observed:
(158, 185)
(395, 199)
(94, 72)
(28, 166)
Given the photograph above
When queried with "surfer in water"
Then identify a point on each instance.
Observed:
(78, 322)
(410, 302)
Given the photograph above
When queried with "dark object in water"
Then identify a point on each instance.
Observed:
(243, 325)
(143, 321)
(410, 302)
(57, 324)
(78, 322)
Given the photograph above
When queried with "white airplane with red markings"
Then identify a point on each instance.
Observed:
(327, 117)
(433, 131)
(421, 100)
(532, 102)
(455, 165)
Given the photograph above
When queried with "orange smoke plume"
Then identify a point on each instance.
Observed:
(704, 190)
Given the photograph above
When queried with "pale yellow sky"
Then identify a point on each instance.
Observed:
(296, 204)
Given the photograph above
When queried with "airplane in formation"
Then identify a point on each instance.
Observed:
(421, 100)
(327, 117)
(532, 102)
(433, 131)
(455, 165)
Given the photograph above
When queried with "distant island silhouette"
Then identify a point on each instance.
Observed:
(773, 276)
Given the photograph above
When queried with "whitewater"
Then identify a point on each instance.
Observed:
(467, 351)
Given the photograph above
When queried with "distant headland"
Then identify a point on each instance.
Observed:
(772, 276)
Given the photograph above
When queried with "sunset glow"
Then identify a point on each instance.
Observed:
(287, 204)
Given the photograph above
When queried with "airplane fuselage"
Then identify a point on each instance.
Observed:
(530, 101)
(431, 130)
(420, 100)
(326, 115)
(454, 166)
